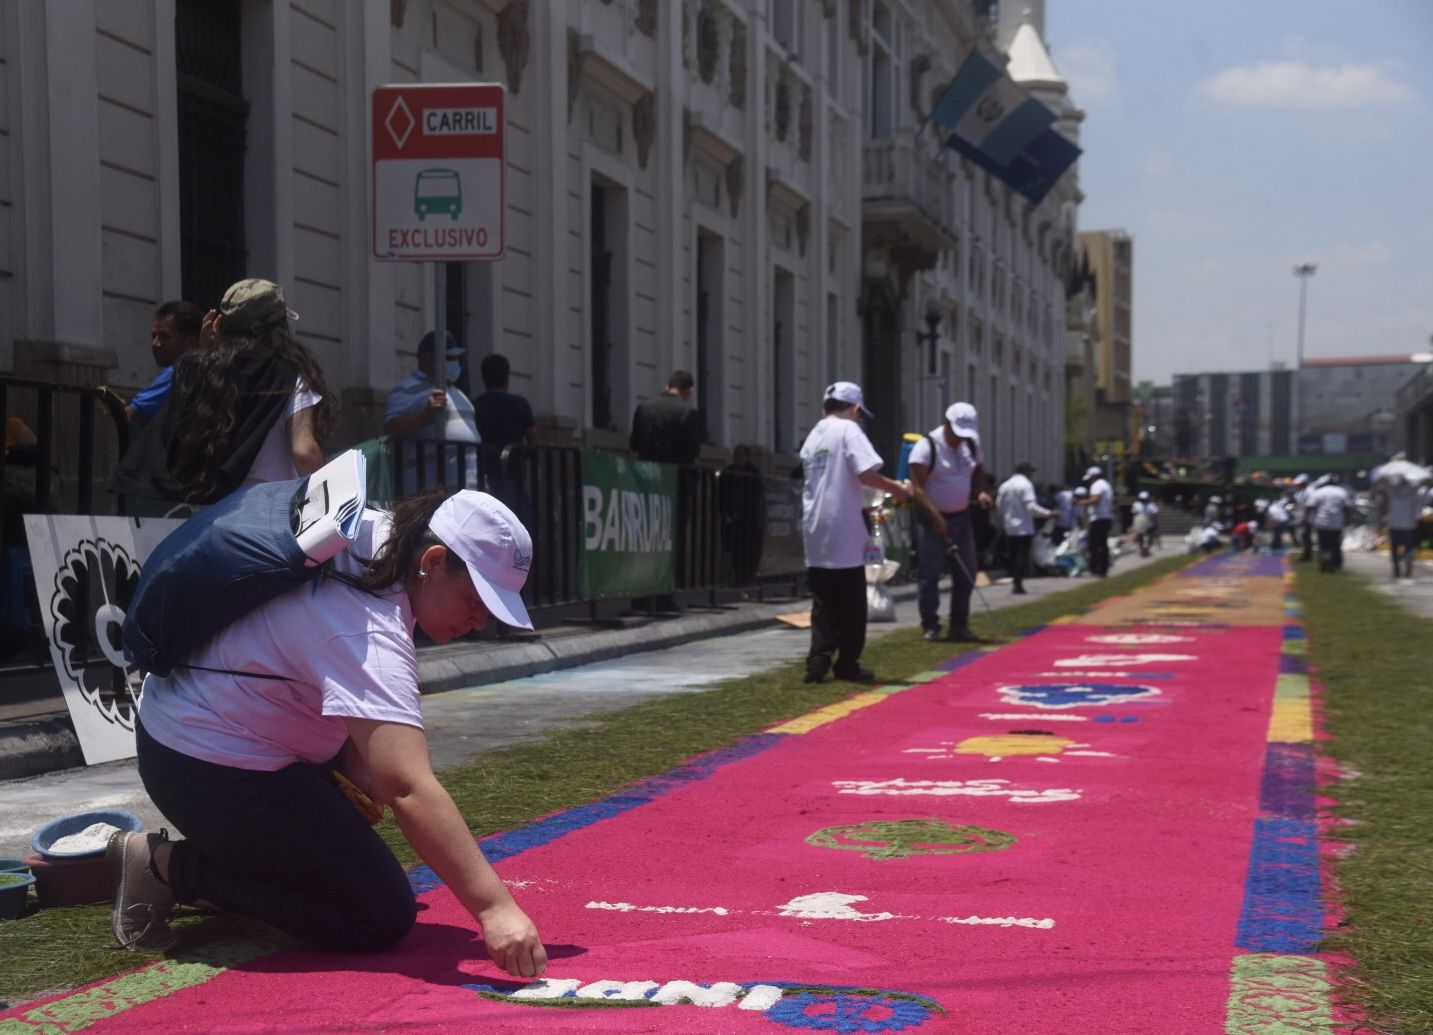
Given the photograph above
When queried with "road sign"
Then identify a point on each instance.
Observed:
(438, 171)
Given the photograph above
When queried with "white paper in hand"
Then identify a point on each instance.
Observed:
(332, 507)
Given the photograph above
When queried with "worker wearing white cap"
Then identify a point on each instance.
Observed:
(1101, 502)
(280, 741)
(947, 475)
(837, 460)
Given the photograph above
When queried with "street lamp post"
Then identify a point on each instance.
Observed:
(1303, 271)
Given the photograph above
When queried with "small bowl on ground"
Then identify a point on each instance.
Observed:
(44, 840)
(14, 894)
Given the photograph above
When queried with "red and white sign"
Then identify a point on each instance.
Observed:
(438, 171)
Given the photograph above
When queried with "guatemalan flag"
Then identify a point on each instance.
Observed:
(997, 125)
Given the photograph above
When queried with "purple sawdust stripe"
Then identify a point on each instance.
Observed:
(1236, 564)
(1281, 910)
(1293, 664)
(1287, 789)
(514, 842)
(1295, 632)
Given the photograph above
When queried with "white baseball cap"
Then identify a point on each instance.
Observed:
(1094, 472)
(848, 392)
(964, 420)
(495, 547)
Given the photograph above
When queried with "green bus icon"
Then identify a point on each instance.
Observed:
(437, 191)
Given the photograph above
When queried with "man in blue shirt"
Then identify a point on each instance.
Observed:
(174, 332)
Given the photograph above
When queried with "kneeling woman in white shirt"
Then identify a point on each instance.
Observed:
(238, 748)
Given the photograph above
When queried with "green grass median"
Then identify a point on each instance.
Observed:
(1375, 661)
(57, 949)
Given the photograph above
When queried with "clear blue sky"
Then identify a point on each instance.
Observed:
(1233, 139)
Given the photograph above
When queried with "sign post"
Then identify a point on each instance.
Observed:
(438, 161)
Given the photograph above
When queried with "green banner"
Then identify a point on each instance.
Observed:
(628, 509)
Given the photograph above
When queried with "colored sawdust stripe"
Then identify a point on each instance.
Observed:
(1272, 994)
(1281, 987)
(79, 1010)
(830, 713)
(926, 677)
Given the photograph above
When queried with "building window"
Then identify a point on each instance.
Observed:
(607, 311)
(882, 74)
(212, 130)
(783, 371)
(787, 25)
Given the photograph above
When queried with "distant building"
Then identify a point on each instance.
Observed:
(1111, 259)
(1332, 407)
(1349, 406)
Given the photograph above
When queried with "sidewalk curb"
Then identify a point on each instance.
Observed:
(39, 745)
(46, 743)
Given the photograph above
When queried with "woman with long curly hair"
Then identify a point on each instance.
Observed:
(278, 743)
(250, 405)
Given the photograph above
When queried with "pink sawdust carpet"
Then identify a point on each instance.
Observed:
(1097, 829)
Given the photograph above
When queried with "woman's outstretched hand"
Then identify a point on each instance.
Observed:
(512, 940)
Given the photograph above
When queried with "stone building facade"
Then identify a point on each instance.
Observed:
(742, 188)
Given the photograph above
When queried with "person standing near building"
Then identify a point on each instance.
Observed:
(668, 430)
(1064, 513)
(1016, 504)
(946, 470)
(174, 332)
(251, 405)
(837, 460)
(1329, 503)
(503, 418)
(1101, 502)
(1277, 518)
(1402, 506)
(420, 411)
(1305, 514)
(1143, 515)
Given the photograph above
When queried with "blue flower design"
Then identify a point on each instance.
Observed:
(1074, 695)
(843, 1012)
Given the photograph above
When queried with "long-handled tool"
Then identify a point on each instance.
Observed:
(952, 550)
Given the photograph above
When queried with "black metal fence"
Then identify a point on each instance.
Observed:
(62, 442)
(720, 515)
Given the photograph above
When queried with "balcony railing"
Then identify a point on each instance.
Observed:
(898, 171)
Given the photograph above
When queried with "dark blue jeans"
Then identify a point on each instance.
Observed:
(933, 560)
(284, 847)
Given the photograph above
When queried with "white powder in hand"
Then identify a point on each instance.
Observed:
(91, 839)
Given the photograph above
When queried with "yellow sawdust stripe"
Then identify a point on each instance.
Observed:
(1292, 721)
(822, 716)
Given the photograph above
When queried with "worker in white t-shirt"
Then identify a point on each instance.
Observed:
(278, 744)
(1101, 502)
(1328, 504)
(1402, 507)
(946, 469)
(1144, 515)
(837, 460)
(1018, 508)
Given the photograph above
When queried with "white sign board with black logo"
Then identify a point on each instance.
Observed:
(86, 569)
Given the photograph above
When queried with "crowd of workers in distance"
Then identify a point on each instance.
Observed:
(1319, 516)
